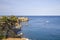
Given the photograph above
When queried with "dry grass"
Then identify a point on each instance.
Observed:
(16, 39)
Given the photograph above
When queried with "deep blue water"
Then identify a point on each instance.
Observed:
(42, 28)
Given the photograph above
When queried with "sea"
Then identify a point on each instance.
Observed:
(42, 28)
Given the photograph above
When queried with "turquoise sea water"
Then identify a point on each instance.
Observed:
(42, 28)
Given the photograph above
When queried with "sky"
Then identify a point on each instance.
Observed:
(30, 7)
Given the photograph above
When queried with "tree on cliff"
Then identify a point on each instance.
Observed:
(7, 25)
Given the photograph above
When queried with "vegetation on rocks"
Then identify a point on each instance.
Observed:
(7, 26)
